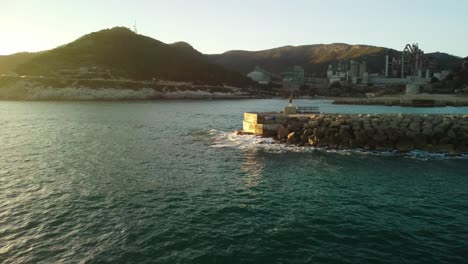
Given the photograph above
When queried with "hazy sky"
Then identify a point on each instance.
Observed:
(215, 26)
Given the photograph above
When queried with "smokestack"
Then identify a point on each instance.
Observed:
(403, 66)
(386, 66)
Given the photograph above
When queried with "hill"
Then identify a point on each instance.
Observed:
(315, 58)
(8, 63)
(446, 61)
(121, 53)
(457, 80)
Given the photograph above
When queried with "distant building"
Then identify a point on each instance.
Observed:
(413, 62)
(348, 72)
(294, 75)
(260, 76)
(293, 78)
(412, 68)
(313, 81)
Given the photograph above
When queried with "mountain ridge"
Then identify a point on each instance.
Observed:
(120, 53)
(315, 58)
(180, 61)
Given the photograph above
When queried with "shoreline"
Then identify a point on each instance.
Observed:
(28, 91)
(65, 89)
(109, 95)
(69, 89)
(161, 98)
(419, 100)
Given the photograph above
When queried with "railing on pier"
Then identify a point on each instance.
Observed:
(308, 110)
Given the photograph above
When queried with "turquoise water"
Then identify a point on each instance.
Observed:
(169, 182)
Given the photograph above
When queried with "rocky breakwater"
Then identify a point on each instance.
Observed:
(382, 132)
(433, 133)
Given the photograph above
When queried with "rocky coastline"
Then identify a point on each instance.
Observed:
(422, 100)
(44, 89)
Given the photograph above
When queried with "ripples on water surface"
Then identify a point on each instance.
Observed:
(168, 182)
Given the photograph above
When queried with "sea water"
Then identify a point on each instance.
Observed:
(170, 182)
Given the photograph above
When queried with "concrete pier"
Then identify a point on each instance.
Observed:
(267, 124)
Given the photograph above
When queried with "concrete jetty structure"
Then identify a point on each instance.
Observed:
(403, 132)
(267, 124)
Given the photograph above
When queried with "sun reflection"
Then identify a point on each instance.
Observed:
(253, 166)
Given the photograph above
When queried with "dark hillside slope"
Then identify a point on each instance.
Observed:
(125, 54)
(8, 63)
(316, 58)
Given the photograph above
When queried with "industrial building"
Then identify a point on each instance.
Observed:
(348, 72)
(412, 62)
(293, 78)
(412, 68)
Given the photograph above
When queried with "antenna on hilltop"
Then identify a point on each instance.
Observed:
(135, 28)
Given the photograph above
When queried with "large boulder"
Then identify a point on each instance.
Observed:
(305, 136)
(294, 138)
(283, 132)
(405, 144)
(345, 132)
(313, 140)
(313, 123)
(427, 131)
(451, 134)
(446, 148)
(294, 124)
(335, 124)
(414, 126)
(380, 137)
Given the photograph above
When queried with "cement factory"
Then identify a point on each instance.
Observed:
(411, 63)
(410, 68)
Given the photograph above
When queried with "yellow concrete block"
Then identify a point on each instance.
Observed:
(259, 129)
(251, 117)
(248, 127)
(266, 129)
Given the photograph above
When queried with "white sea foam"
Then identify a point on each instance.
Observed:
(231, 139)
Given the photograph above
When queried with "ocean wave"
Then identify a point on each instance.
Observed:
(223, 139)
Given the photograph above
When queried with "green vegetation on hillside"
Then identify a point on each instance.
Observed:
(313, 58)
(9, 63)
(446, 61)
(455, 81)
(121, 53)
(58, 83)
(316, 58)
